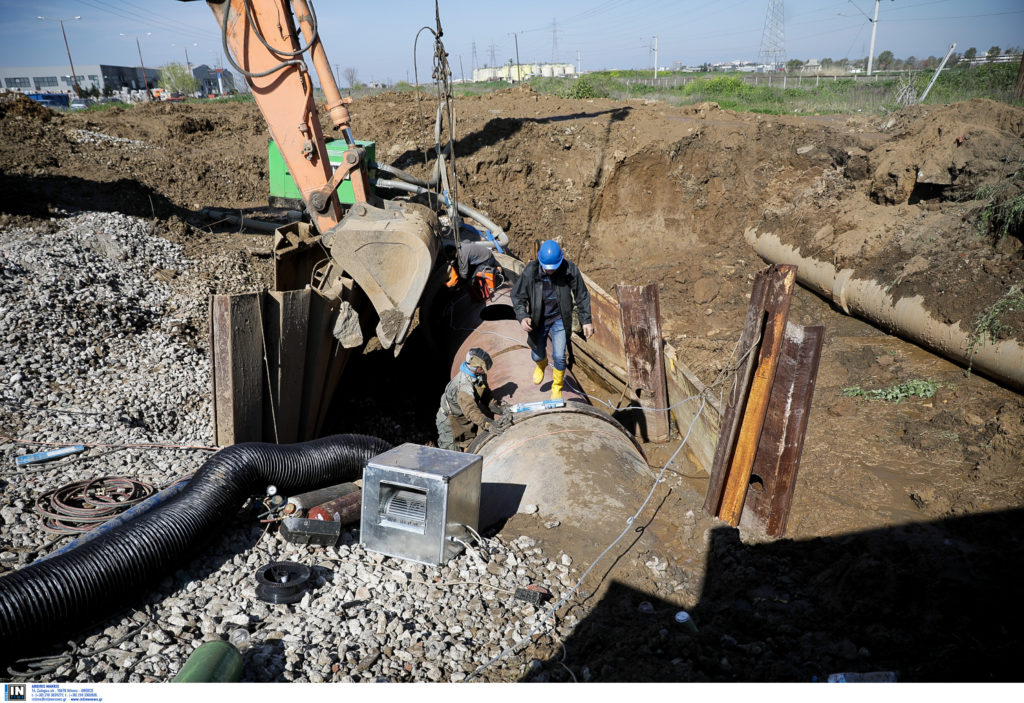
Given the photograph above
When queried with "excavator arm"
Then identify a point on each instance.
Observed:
(385, 249)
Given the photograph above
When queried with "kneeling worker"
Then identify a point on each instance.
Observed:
(477, 267)
(466, 404)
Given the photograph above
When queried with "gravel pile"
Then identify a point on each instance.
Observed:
(88, 136)
(103, 326)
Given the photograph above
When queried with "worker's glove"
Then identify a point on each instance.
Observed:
(501, 423)
(497, 408)
(452, 277)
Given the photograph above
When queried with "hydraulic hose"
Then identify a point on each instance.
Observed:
(465, 210)
(433, 180)
(77, 588)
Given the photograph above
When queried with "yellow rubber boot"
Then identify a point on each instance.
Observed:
(556, 384)
(538, 373)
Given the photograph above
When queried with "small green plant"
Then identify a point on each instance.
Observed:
(896, 392)
(582, 89)
(989, 324)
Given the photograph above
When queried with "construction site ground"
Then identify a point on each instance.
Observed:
(903, 550)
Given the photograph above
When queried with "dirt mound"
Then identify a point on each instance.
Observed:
(18, 105)
(949, 152)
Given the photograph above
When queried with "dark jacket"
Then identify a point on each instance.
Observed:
(528, 296)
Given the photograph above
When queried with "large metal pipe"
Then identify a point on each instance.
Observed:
(578, 466)
(906, 317)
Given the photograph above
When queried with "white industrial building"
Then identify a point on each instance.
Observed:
(524, 71)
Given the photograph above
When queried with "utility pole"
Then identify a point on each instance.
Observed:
(579, 63)
(188, 63)
(74, 77)
(474, 56)
(145, 81)
(519, 71)
(461, 69)
(1018, 90)
(554, 42)
(655, 57)
(492, 55)
(874, 26)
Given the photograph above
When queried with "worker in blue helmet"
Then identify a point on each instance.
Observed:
(544, 297)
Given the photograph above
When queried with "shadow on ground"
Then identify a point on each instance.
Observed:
(931, 602)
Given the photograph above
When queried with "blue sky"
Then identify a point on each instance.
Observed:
(377, 38)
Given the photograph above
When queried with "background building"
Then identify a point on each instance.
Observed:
(57, 79)
(214, 81)
(512, 72)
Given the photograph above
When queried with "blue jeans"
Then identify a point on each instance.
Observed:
(556, 331)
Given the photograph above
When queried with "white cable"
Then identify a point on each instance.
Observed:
(571, 591)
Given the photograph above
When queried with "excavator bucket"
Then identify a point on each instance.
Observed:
(389, 252)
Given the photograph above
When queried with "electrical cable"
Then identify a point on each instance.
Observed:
(122, 446)
(629, 524)
(41, 666)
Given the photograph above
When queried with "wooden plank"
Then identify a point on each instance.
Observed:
(641, 333)
(607, 349)
(319, 343)
(285, 322)
(808, 356)
(687, 398)
(749, 345)
(738, 475)
(237, 356)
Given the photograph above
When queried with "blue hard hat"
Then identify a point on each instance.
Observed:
(550, 255)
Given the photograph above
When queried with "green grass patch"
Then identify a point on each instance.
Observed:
(990, 325)
(895, 393)
(777, 93)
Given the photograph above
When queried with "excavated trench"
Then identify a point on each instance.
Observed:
(905, 514)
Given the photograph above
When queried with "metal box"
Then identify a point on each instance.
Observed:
(284, 192)
(416, 499)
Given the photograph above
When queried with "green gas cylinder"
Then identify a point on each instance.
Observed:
(212, 662)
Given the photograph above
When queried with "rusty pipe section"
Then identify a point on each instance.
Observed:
(576, 464)
(906, 317)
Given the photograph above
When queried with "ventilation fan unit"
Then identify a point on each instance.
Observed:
(418, 501)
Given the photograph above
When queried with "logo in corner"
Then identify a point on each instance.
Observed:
(15, 692)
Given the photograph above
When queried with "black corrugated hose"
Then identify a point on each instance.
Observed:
(63, 594)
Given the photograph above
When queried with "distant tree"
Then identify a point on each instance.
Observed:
(107, 91)
(175, 78)
(993, 52)
(826, 62)
(885, 59)
(794, 65)
(351, 76)
(898, 64)
(970, 54)
(842, 62)
(911, 62)
(93, 91)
